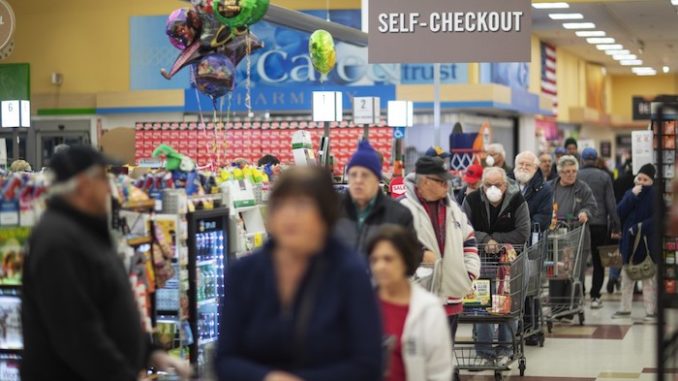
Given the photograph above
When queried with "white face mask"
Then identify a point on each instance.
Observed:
(489, 160)
(493, 194)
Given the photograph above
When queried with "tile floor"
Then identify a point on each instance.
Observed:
(604, 349)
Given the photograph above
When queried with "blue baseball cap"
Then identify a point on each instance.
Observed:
(589, 154)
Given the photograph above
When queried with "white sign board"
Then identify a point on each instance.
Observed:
(3, 152)
(327, 106)
(25, 113)
(641, 149)
(400, 114)
(11, 114)
(366, 110)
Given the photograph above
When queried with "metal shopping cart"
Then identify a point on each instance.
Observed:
(564, 267)
(499, 296)
(533, 322)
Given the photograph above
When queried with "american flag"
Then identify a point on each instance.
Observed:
(548, 74)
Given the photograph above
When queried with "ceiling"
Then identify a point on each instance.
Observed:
(647, 28)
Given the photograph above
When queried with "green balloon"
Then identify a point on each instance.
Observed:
(321, 50)
(251, 11)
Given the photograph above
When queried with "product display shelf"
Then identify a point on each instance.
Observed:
(665, 121)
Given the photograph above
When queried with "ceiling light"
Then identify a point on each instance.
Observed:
(674, 2)
(590, 33)
(550, 5)
(616, 52)
(631, 62)
(620, 57)
(641, 69)
(610, 47)
(566, 16)
(646, 74)
(666, 69)
(579, 25)
(600, 40)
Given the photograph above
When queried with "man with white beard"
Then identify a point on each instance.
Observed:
(537, 193)
(539, 197)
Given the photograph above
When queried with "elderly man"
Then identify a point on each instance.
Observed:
(499, 215)
(444, 231)
(79, 315)
(573, 201)
(365, 207)
(604, 221)
(535, 190)
(498, 154)
(545, 165)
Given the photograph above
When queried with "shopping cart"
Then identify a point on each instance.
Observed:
(564, 267)
(503, 268)
(533, 322)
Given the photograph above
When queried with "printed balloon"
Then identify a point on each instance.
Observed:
(182, 27)
(213, 75)
(321, 50)
(243, 14)
(236, 48)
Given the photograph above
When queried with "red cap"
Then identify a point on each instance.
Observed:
(473, 174)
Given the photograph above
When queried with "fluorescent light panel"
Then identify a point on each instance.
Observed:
(590, 33)
(600, 40)
(674, 2)
(617, 52)
(644, 68)
(566, 16)
(610, 47)
(579, 25)
(620, 57)
(560, 5)
(646, 74)
(666, 69)
(631, 62)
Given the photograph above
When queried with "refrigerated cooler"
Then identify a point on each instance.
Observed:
(208, 258)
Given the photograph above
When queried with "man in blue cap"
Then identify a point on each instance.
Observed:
(603, 221)
(365, 206)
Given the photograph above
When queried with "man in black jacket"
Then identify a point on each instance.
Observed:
(365, 207)
(80, 319)
(537, 193)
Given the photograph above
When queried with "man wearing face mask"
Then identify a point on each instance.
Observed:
(444, 230)
(499, 215)
(498, 154)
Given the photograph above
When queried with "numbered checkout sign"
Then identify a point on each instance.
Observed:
(366, 110)
(15, 114)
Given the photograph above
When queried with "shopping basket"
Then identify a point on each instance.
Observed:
(505, 267)
(564, 268)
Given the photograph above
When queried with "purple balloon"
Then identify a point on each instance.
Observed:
(214, 75)
(236, 48)
(182, 27)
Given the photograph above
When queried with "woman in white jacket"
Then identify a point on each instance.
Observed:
(415, 318)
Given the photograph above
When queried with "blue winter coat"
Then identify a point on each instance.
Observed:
(633, 210)
(539, 197)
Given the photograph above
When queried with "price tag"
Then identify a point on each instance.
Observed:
(366, 110)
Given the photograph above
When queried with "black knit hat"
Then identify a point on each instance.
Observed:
(569, 141)
(648, 170)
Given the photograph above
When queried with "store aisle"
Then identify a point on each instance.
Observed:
(604, 349)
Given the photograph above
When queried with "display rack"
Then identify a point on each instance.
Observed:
(665, 119)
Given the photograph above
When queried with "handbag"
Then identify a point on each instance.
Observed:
(610, 256)
(645, 269)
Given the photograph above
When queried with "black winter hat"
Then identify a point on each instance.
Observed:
(434, 166)
(76, 159)
(648, 170)
(569, 141)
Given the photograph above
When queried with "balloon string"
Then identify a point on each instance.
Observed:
(327, 6)
(197, 98)
(248, 81)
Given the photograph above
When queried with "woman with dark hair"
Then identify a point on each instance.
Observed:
(413, 317)
(302, 307)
